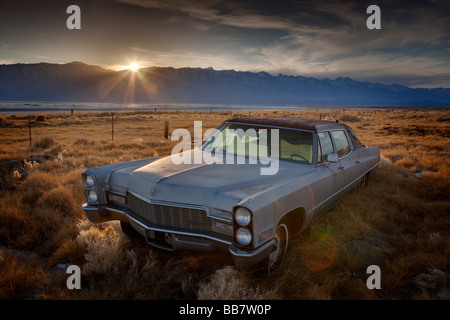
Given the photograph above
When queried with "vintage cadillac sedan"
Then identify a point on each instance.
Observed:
(234, 205)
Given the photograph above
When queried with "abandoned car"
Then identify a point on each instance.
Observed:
(234, 205)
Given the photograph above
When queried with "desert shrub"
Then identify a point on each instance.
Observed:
(104, 246)
(44, 143)
(60, 200)
(43, 225)
(68, 251)
(19, 276)
(108, 145)
(36, 185)
(229, 284)
(41, 118)
(348, 118)
(62, 233)
(132, 145)
(73, 182)
(405, 162)
(83, 142)
(12, 222)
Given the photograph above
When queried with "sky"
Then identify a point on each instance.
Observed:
(320, 39)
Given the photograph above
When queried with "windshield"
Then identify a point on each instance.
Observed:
(260, 141)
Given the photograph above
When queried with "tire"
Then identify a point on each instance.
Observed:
(129, 230)
(365, 180)
(280, 247)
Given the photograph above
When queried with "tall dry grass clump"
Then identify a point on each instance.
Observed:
(229, 284)
(118, 270)
(36, 185)
(59, 200)
(44, 143)
(104, 246)
(41, 215)
(20, 277)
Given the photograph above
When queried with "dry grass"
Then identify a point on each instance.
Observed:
(399, 221)
(21, 277)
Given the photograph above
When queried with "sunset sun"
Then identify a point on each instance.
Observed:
(133, 67)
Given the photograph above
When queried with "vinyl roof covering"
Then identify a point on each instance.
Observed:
(291, 122)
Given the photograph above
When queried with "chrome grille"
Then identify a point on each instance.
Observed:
(170, 216)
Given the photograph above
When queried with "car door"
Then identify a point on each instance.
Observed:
(349, 163)
(330, 178)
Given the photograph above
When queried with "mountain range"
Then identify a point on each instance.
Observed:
(79, 82)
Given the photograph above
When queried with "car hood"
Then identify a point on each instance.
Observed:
(214, 185)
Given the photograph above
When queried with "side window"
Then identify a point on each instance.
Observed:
(325, 146)
(341, 142)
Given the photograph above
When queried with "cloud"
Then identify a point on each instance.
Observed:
(314, 38)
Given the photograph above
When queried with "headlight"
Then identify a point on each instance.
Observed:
(243, 216)
(243, 236)
(92, 196)
(90, 182)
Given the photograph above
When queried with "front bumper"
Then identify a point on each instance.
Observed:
(174, 239)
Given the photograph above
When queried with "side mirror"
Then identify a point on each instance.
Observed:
(332, 157)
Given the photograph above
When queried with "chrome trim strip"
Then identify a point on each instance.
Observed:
(221, 219)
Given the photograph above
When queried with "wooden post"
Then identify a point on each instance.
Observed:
(166, 129)
(29, 127)
(112, 126)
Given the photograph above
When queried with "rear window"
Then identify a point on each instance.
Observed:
(325, 148)
(341, 142)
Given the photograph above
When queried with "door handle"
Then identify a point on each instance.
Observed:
(357, 161)
(341, 167)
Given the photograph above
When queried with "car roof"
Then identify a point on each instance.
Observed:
(292, 122)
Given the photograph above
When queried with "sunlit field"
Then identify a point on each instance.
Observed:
(399, 220)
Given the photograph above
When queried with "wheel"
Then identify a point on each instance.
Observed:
(281, 245)
(365, 180)
(129, 230)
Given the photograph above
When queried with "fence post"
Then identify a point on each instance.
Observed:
(29, 127)
(112, 126)
(166, 129)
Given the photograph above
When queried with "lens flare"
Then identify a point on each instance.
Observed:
(319, 251)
